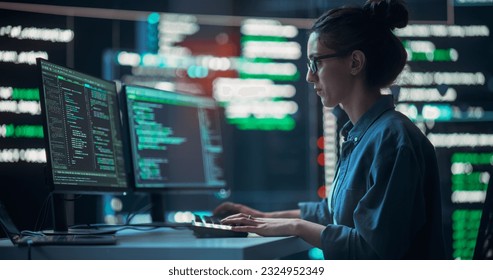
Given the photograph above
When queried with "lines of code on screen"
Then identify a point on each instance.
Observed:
(85, 146)
(175, 139)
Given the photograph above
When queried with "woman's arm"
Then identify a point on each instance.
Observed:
(308, 231)
(229, 208)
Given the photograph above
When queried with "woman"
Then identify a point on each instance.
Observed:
(385, 199)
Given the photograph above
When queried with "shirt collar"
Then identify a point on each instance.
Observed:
(354, 133)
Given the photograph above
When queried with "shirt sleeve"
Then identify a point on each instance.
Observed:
(387, 217)
(316, 212)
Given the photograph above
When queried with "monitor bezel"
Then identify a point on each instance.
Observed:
(71, 188)
(165, 189)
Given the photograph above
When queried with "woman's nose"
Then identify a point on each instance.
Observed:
(310, 77)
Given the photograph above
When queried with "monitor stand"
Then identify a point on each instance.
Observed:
(157, 209)
(158, 216)
(60, 224)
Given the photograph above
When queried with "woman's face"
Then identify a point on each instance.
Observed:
(332, 79)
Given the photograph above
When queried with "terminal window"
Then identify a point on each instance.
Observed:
(175, 138)
(83, 127)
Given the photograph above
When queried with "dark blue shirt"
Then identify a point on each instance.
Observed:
(385, 200)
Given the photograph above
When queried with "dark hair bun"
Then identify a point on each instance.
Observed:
(389, 13)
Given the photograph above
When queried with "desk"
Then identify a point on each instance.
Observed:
(165, 243)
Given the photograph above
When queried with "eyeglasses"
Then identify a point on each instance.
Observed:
(312, 62)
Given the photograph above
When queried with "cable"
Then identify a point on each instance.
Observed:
(43, 212)
(31, 233)
(29, 246)
(133, 212)
(132, 215)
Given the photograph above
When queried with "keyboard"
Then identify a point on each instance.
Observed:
(66, 240)
(211, 227)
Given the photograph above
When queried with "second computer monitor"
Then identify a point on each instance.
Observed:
(175, 140)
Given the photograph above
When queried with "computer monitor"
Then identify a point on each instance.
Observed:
(82, 128)
(175, 142)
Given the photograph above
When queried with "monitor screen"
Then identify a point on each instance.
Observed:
(83, 131)
(175, 140)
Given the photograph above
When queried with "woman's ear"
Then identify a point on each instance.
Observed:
(358, 62)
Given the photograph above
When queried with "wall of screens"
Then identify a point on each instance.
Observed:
(447, 90)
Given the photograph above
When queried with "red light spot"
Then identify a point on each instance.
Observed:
(320, 142)
(321, 192)
(321, 159)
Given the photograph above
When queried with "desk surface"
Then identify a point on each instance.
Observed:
(165, 243)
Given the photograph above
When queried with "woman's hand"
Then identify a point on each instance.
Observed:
(308, 231)
(228, 208)
(262, 226)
